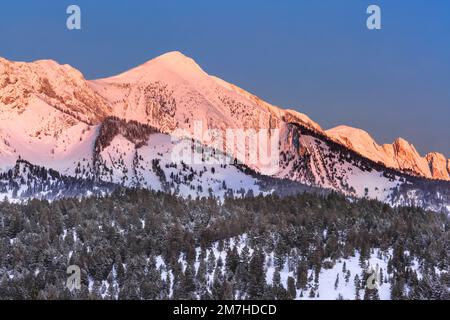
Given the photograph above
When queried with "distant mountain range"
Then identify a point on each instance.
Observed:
(119, 131)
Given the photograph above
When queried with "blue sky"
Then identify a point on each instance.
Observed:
(316, 56)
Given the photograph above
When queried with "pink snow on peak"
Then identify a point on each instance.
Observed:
(169, 67)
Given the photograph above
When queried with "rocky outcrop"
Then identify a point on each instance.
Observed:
(438, 166)
(60, 86)
(400, 155)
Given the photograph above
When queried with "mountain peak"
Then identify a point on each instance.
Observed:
(349, 130)
(176, 61)
(353, 137)
(435, 155)
(162, 67)
(401, 142)
(172, 56)
(359, 141)
(39, 68)
(438, 165)
(303, 119)
(403, 146)
(50, 84)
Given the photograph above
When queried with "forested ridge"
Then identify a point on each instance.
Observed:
(139, 244)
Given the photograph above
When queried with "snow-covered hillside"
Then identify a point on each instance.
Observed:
(127, 154)
(344, 279)
(138, 157)
(140, 244)
(26, 181)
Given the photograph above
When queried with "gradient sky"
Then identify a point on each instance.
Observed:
(316, 56)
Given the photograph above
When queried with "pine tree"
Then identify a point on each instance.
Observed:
(228, 292)
(302, 275)
(217, 289)
(211, 262)
(292, 292)
(189, 282)
(357, 287)
(397, 288)
(336, 283)
(371, 294)
(232, 261)
(347, 276)
(312, 293)
(276, 283)
(257, 277)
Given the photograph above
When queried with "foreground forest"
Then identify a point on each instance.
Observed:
(138, 244)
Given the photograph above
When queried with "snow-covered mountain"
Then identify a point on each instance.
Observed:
(172, 92)
(119, 130)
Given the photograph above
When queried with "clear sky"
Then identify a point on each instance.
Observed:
(316, 56)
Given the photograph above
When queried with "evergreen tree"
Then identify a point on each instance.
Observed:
(302, 275)
(292, 292)
(336, 283)
(257, 277)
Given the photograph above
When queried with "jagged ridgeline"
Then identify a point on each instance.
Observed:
(138, 244)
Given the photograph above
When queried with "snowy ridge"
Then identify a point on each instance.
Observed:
(26, 181)
(400, 155)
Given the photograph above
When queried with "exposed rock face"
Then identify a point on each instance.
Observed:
(438, 166)
(60, 86)
(409, 159)
(361, 142)
(400, 155)
(302, 119)
(448, 166)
